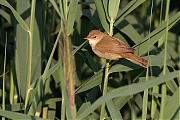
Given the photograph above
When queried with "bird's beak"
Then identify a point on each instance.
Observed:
(86, 38)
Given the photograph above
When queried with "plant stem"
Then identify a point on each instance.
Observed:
(30, 52)
(163, 88)
(4, 75)
(106, 75)
(104, 88)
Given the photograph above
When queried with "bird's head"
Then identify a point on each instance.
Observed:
(94, 37)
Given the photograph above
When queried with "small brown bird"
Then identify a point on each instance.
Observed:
(112, 48)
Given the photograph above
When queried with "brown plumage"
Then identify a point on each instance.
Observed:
(112, 48)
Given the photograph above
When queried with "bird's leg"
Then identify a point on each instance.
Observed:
(105, 65)
(108, 66)
(113, 62)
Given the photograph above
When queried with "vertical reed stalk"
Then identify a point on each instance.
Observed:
(163, 88)
(69, 69)
(30, 52)
(145, 95)
(4, 75)
(106, 75)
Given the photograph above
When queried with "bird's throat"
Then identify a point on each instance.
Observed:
(93, 42)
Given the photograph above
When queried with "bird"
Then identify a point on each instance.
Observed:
(111, 48)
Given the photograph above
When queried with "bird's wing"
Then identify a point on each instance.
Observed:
(113, 45)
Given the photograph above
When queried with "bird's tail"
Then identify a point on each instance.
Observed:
(134, 58)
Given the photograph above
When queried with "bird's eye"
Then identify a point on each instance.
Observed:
(94, 37)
